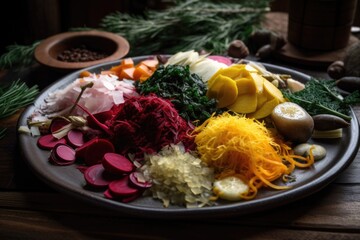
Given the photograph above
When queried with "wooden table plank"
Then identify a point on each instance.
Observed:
(41, 225)
(336, 207)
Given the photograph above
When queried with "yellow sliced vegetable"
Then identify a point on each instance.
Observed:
(273, 91)
(224, 90)
(265, 110)
(245, 85)
(245, 103)
(230, 188)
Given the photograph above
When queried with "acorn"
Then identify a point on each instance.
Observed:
(260, 38)
(238, 49)
(352, 61)
(264, 52)
(336, 70)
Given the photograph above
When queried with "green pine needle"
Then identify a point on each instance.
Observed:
(15, 97)
(18, 56)
(189, 25)
(2, 132)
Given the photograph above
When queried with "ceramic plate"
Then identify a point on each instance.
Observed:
(68, 179)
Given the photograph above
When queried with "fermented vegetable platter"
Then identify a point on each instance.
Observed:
(70, 179)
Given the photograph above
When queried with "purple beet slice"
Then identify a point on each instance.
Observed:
(116, 163)
(75, 138)
(48, 141)
(62, 155)
(92, 152)
(58, 123)
(121, 188)
(95, 176)
(137, 180)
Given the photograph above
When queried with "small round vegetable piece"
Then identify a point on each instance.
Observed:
(93, 151)
(116, 163)
(62, 155)
(230, 188)
(48, 141)
(121, 188)
(95, 176)
(75, 138)
(292, 122)
(303, 149)
(137, 179)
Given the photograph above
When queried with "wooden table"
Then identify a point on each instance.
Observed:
(29, 209)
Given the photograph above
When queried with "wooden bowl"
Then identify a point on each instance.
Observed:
(114, 46)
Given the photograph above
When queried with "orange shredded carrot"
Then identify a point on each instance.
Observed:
(244, 147)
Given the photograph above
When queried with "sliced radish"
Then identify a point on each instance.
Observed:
(75, 138)
(58, 123)
(48, 141)
(62, 155)
(221, 59)
(116, 163)
(92, 152)
(96, 176)
(137, 180)
(121, 188)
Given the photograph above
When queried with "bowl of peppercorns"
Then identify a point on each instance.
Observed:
(76, 50)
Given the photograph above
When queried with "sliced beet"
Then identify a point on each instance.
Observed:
(121, 188)
(108, 194)
(75, 138)
(62, 155)
(132, 197)
(95, 176)
(92, 152)
(116, 163)
(101, 117)
(58, 123)
(137, 180)
(49, 141)
(127, 199)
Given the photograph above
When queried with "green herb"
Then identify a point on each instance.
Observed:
(2, 132)
(16, 96)
(191, 24)
(188, 25)
(321, 96)
(18, 56)
(185, 90)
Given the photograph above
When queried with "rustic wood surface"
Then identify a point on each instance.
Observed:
(29, 209)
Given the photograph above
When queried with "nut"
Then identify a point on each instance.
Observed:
(238, 49)
(336, 70)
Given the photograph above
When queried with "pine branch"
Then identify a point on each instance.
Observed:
(18, 56)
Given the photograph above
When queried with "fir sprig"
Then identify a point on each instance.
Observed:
(18, 56)
(191, 24)
(15, 97)
(2, 132)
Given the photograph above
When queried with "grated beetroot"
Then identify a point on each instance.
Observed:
(148, 123)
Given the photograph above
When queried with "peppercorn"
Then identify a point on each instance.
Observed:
(80, 54)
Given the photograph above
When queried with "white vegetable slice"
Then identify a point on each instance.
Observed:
(230, 188)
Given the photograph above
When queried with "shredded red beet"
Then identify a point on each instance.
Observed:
(148, 123)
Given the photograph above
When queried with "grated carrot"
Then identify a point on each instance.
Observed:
(244, 147)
